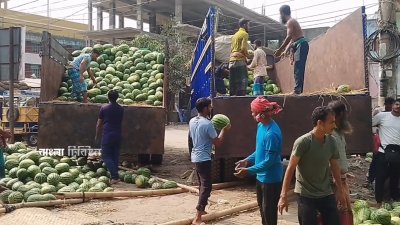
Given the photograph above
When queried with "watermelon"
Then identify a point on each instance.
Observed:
(33, 170)
(66, 178)
(128, 178)
(13, 172)
(4, 196)
(49, 170)
(170, 184)
(49, 197)
(95, 189)
(382, 216)
(53, 179)
(108, 189)
(22, 174)
(160, 58)
(157, 185)
(62, 167)
(66, 189)
(220, 121)
(30, 193)
(141, 181)
(343, 88)
(11, 164)
(16, 185)
(40, 178)
(101, 185)
(47, 159)
(15, 197)
(48, 189)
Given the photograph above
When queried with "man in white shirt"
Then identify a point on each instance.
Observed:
(259, 65)
(389, 133)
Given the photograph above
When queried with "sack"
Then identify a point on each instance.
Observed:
(346, 218)
(392, 154)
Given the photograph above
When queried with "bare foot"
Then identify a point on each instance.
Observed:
(114, 181)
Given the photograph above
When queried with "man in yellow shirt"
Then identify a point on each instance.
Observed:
(238, 60)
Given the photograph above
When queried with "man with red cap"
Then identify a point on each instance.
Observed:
(265, 162)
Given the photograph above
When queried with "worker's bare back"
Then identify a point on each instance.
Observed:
(294, 30)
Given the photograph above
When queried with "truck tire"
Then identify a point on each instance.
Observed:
(32, 139)
(15, 117)
(143, 159)
(156, 159)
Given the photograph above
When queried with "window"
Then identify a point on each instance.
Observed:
(32, 69)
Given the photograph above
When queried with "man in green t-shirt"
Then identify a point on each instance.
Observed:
(315, 157)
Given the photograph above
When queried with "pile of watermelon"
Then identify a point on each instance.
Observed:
(270, 88)
(137, 75)
(388, 214)
(32, 177)
(143, 179)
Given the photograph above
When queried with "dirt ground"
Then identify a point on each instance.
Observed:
(158, 210)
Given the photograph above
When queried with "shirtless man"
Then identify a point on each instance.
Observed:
(296, 44)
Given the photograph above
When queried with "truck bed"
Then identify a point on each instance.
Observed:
(294, 121)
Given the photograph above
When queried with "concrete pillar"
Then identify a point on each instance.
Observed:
(139, 15)
(153, 22)
(5, 4)
(121, 21)
(99, 18)
(112, 15)
(90, 15)
(178, 11)
(242, 2)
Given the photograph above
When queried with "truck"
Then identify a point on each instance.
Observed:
(332, 61)
(66, 124)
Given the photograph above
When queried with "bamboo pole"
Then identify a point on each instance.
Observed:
(119, 194)
(215, 215)
(43, 204)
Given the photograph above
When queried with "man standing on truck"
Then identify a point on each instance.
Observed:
(343, 127)
(388, 157)
(76, 71)
(265, 162)
(204, 136)
(109, 124)
(238, 60)
(312, 155)
(259, 65)
(297, 45)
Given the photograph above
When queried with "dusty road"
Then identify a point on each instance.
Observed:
(153, 210)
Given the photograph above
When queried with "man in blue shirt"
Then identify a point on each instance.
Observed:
(76, 70)
(204, 136)
(110, 122)
(265, 162)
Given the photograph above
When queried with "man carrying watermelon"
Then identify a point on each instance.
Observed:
(75, 71)
(204, 135)
(110, 125)
(265, 162)
(314, 158)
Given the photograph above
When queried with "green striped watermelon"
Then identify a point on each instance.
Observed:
(220, 121)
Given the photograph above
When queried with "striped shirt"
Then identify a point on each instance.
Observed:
(76, 64)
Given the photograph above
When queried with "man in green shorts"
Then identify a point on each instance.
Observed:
(314, 158)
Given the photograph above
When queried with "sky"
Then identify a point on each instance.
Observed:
(310, 13)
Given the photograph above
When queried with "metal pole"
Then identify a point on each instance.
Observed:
(388, 73)
(11, 95)
(90, 15)
(48, 15)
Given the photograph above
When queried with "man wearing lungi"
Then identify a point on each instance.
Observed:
(296, 45)
(75, 72)
(238, 60)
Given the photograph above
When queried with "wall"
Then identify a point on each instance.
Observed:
(37, 24)
(334, 58)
